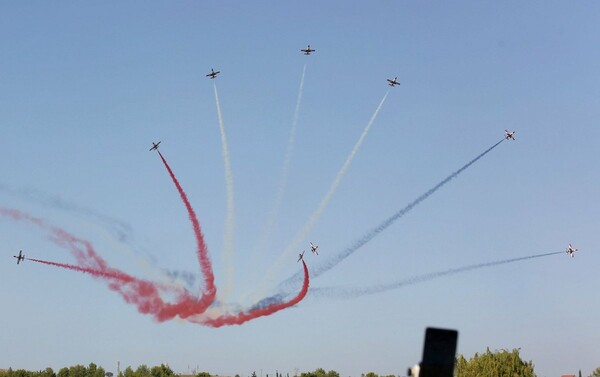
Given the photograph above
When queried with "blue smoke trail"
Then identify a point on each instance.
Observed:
(385, 224)
(347, 293)
(120, 229)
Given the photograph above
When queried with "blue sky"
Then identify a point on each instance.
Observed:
(85, 87)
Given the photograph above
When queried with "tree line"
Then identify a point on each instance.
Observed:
(501, 363)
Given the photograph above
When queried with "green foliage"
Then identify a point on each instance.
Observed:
(48, 372)
(92, 370)
(63, 372)
(127, 373)
(596, 372)
(319, 372)
(204, 374)
(162, 370)
(494, 364)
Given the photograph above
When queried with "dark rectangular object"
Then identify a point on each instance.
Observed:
(439, 353)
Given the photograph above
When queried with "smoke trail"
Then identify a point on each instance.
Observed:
(116, 275)
(389, 221)
(144, 294)
(272, 219)
(230, 220)
(122, 231)
(118, 230)
(312, 221)
(346, 293)
(238, 319)
(202, 252)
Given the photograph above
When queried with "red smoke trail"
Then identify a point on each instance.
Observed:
(60, 237)
(142, 293)
(205, 265)
(146, 295)
(259, 312)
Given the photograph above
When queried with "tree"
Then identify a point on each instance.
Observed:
(141, 371)
(161, 371)
(127, 373)
(63, 372)
(77, 371)
(596, 372)
(320, 372)
(48, 372)
(498, 363)
(254, 374)
(204, 374)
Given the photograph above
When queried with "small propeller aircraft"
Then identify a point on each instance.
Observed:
(308, 50)
(154, 146)
(314, 248)
(20, 257)
(300, 256)
(393, 82)
(213, 74)
(509, 135)
(571, 250)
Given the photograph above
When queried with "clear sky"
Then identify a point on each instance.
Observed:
(85, 87)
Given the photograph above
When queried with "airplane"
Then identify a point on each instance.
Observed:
(154, 146)
(571, 250)
(308, 50)
(509, 135)
(213, 74)
(19, 257)
(393, 82)
(314, 248)
(300, 256)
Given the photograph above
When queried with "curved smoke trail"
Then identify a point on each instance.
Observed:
(145, 294)
(312, 221)
(210, 290)
(389, 221)
(346, 293)
(230, 220)
(240, 318)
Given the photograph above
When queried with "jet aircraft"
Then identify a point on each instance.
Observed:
(308, 50)
(19, 257)
(314, 248)
(300, 256)
(393, 82)
(509, 135)
(213, 74)
(571, 250)
(154, 146)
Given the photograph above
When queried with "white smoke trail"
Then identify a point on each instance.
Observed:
(230, 219)
(335, 260)
(314, 218)
(265, 240)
